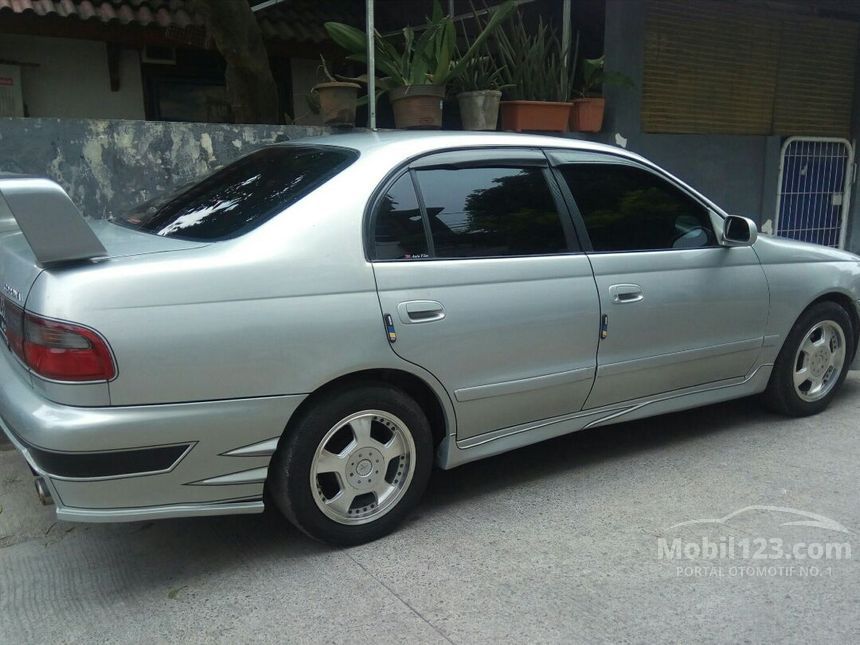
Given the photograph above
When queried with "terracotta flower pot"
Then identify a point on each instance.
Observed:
(337, 102)
(479, 110)
(586, 115)
(544, 116)
(417, 106)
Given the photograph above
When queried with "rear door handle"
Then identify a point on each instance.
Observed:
(626, 293)
(420, 311)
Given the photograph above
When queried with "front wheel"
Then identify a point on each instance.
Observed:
(813, 361)
(353, 464)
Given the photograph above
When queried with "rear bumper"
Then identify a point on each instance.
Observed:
(141, 462)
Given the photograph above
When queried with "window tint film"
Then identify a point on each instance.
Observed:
(239, 196)
(630, 209)
(399, 232)
(482, 212)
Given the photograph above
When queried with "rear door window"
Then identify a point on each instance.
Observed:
(240, 196)
(491, 212)
(399, 230)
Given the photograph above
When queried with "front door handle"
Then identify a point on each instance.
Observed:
(626, 293)
(420, 311)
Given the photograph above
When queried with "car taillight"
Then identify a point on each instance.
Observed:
(56, 350)
(12, 325)
(65, 352)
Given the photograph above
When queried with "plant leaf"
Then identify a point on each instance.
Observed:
(499, 15)
(347, 37)
(446, 45)
(436, 16)
(408, 42)
(424, 55)
(174, 593)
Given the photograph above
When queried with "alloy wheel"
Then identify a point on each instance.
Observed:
(362, 467)
(819, 361)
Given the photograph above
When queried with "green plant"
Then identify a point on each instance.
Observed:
(483, 71)
(533, 62)
(480, 74)
(595, 77)
(430, 59)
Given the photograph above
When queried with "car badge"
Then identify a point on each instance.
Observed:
(11, 291)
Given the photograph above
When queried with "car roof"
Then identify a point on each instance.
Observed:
(410, 143)
(392, 147)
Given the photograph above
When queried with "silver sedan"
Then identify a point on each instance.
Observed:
(316, 324)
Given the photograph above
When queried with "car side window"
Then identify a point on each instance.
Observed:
(626, 208)
(399, 229)
(490, 212)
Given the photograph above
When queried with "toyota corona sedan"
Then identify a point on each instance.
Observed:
(317, 324)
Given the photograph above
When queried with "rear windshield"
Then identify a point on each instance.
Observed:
(240, 196)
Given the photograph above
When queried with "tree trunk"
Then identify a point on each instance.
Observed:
(251, 87)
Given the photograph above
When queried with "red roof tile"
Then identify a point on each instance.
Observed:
(291, 20)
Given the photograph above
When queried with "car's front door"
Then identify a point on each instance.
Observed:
(680, 310)
(478, 267)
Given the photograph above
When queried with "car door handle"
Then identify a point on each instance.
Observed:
(420, 311)
(626, 293)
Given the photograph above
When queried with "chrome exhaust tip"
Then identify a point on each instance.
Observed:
(43, 492)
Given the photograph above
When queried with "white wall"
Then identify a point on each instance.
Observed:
(71, 80)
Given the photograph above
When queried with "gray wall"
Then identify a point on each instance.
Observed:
(741, 173)
(109, 166)
(738, 172)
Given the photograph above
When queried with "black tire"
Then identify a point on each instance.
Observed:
(780, 395)
(289, 473)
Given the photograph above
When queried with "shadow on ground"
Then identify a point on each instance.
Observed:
(606, 443)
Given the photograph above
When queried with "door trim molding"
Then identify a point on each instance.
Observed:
(452, 453)
(673, 358)
(523, 385)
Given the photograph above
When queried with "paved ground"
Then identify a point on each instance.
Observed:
(556, 542)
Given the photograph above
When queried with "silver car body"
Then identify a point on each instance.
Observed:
(218, 344)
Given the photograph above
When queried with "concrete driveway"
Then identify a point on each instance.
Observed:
(559, 542)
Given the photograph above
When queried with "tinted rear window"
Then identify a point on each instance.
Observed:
(491, 212)
(240, 196)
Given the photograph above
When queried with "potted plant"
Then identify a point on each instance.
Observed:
(336, 99)
(416, 70)
(538, 83)
(478, 88)
(586, 113)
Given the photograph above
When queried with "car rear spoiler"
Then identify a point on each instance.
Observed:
(51, 223)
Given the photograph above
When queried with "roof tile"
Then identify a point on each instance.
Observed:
(292, 20)
(85, 10)
(65, 8)
(144, 16)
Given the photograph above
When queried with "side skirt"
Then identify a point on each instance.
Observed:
(453, 453)
(159, 512)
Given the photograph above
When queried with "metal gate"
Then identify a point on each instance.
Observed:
(814, 189)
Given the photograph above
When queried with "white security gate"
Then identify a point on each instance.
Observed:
(814, 189)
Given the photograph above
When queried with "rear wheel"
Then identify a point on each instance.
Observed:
(353, 464)
(813, 361)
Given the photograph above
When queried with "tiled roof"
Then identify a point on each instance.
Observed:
(302, 21)
(292, 20)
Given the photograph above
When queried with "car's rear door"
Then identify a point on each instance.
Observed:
(477, 265)
(680, 309)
